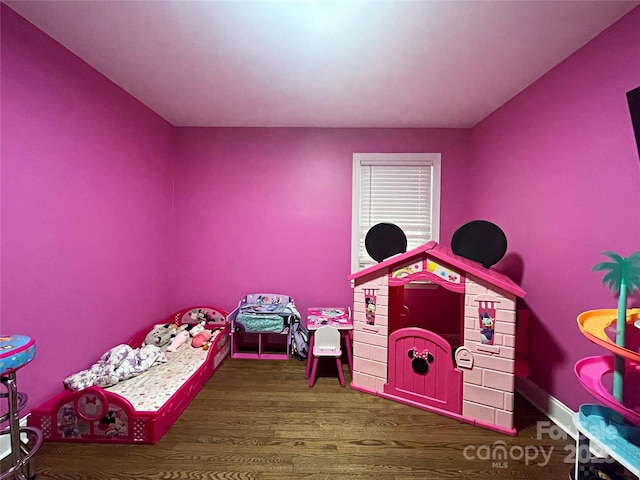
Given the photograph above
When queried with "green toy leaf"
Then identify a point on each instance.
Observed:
(620, 271)
(614, 256)
(604, 266)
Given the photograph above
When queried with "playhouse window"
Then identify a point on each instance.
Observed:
(370, 308)
(399, 188)
(487, 318)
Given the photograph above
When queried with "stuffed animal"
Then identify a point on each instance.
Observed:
(181, 337)
(201, 338)
(196, 329)
(160, 335)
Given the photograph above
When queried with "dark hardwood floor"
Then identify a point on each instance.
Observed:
(260, 420)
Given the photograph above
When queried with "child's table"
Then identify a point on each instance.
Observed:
(339, 317)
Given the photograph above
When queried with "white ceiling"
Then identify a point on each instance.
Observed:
(321, 63)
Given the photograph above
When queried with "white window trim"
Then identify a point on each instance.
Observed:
(391, 159)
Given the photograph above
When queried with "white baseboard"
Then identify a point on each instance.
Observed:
(5, 440)
(550, 406)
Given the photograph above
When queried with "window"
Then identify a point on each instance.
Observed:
(399, 188)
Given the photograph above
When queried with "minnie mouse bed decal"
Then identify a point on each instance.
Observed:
(420, 361)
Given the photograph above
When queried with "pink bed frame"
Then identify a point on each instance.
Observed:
(142, 426)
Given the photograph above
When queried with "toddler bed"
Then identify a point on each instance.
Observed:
(142, 408)
(261, 325)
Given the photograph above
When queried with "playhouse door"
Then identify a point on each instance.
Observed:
(421, 370)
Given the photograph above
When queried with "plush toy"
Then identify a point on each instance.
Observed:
(160, 335)
(181, 337)
(201, 338)
(196, 329)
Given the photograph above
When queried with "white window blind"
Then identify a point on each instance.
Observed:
(403, 189)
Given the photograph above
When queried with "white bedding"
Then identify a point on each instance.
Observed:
(151, 389)
(116, 365)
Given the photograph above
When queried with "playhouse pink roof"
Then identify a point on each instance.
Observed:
(443, 253)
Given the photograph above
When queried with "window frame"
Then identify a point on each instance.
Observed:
(399, 159)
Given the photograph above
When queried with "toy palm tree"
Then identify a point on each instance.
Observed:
(622, 277)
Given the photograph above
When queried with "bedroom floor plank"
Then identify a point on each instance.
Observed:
(259, 420)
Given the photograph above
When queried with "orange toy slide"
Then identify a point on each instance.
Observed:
(594, 325)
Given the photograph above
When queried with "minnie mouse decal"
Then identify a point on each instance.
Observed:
(113, 424)
(420, 361)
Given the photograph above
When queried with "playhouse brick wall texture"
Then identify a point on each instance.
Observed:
(371, 342)
(488, 388)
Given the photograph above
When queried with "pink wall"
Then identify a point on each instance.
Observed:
(88, 253)
(557, 168)
(270, 209)
(86, 208)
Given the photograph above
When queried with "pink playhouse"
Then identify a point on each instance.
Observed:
(463, 366)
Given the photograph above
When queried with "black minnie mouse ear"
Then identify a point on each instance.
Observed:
(385, 240)
(481, 241)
